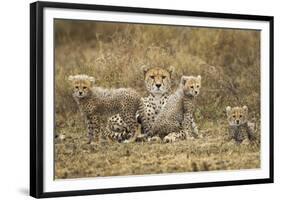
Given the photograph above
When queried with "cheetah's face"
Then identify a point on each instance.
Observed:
(157, 80)
(191, 85)
(237, 115)
(81, 85)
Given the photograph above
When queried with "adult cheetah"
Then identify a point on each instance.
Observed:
(158, 83)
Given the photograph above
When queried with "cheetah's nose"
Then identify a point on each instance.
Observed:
(196, 92)
(237, 121)
(80, 93)
(158, 85)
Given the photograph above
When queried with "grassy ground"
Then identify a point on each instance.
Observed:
(75, 158)
(228, 61)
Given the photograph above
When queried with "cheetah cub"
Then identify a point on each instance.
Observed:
(239, 126)
(175, 121)
(95, 101)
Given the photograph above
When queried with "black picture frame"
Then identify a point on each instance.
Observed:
(37, 97)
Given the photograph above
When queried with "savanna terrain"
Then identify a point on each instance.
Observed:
(228, 61)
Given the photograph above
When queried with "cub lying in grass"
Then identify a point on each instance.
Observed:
(239, 126)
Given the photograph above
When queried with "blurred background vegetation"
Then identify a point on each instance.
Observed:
(227, 59)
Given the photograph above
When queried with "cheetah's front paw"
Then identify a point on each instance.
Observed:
(169, 139)
(154, 139)
(141, 138)
(246, 142)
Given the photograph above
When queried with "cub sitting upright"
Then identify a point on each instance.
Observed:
(158, 83)
(176, 118)
(239, 126)
(96, 101)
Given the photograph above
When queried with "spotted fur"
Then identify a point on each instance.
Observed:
(239, 126)
(158, 84)
(95, 101)
(176, 118)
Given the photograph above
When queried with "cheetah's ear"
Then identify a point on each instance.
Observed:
(245, 108)
(228, 109)
(171, 70)
(199, 78)
(183, 80)
(144, 68)
(92, 79)
(71, 78)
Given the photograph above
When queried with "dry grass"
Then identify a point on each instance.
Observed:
(228, 61)
(75, 158)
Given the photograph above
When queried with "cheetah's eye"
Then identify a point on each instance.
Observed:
(76, 87)
(240, 116)
(84, 88)
(191, 87)
(233, 116)
(197, 86)
(163, 77)
(152, 77)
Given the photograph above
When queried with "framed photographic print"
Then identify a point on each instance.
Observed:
(126, 99)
